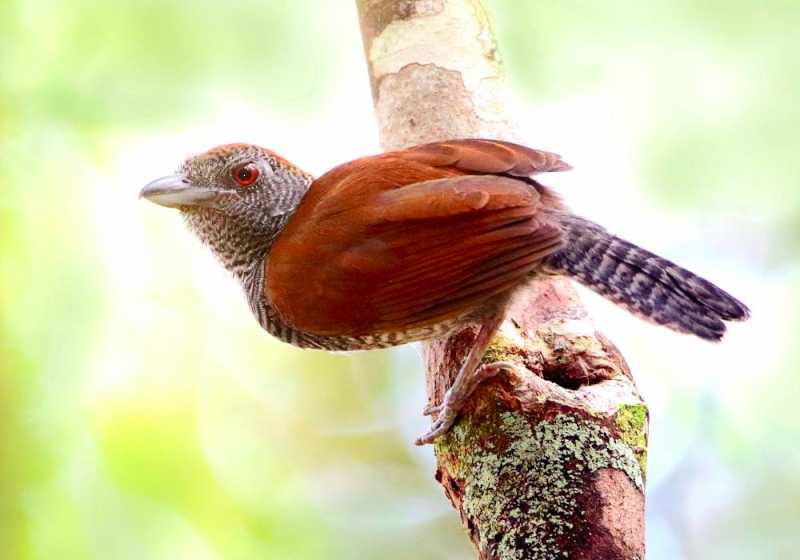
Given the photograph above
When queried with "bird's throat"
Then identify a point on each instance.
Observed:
(239, 245)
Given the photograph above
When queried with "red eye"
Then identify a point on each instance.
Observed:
(245, 174)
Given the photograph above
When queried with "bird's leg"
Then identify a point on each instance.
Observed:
(471, 374)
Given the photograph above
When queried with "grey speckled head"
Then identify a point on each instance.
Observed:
(236, 198)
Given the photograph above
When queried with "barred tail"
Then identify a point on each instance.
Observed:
(643, 283)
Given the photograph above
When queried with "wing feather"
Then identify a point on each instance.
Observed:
(488, 156)
(426, 235)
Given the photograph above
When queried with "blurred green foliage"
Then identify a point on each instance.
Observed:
(144, 415)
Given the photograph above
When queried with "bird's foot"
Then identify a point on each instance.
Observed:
(455, 397)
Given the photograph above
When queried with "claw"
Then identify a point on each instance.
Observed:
(439, 427)
(455, 397)
(431, 410)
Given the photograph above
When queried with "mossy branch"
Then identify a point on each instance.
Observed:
(548, 463)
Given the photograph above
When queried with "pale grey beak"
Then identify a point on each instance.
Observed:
(174, 191)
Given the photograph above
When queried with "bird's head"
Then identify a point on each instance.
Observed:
(235, 197)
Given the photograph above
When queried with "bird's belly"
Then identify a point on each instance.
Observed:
(271, 322)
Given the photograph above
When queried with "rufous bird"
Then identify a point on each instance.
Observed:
(415, 244)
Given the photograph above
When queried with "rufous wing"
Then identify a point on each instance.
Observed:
(397, 242)
(480, 156)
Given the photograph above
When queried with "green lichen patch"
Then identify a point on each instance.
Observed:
(523, 493)
(503, 349)
(631, 420)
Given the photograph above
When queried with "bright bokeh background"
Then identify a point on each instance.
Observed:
(144, 415)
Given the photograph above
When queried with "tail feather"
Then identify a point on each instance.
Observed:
(646, 284)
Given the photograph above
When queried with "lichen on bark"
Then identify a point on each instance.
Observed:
(632, 421)
(523, 481)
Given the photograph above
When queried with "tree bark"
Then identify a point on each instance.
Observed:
(545, 463)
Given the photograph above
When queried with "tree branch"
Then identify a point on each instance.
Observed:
(546, 463)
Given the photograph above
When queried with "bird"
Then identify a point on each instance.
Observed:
(415, 244)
